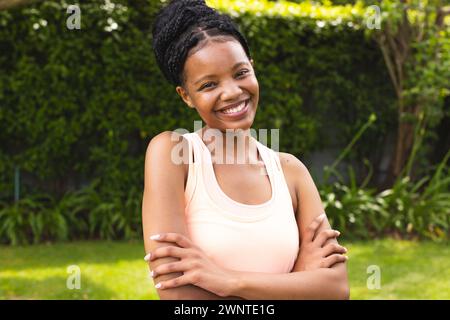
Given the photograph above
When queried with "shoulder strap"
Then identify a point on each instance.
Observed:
(190, 148)
(272, 156)
(193, 171)
(276, 155)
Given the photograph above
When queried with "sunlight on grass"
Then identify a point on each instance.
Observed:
(409, 270)
(116, 270)
(109, 270)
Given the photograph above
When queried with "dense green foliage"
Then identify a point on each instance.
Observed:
(410, 209)
(78, 107)
(78, 104)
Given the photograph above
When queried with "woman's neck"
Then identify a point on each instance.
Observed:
(233, 146)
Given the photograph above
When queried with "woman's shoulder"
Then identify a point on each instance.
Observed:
(294, 171)
(291, 163)
(167, 139)
(169, 150)
(169, 143)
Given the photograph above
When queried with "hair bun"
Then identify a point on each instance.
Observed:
(172, 37)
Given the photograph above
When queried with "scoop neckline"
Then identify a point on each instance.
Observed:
(227, 198)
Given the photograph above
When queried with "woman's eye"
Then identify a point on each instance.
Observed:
(206, 85)
(242, 72)
(209, 84)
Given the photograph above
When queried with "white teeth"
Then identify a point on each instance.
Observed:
(235, 109)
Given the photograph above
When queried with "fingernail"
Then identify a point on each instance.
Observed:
(345, 249)
(152, 273)
(338, 233)
(158, 285)
(346, 257)
(155, 237)
(147, 257)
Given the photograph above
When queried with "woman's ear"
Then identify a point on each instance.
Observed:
(185, 96)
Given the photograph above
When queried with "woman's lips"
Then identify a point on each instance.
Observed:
(238, 114)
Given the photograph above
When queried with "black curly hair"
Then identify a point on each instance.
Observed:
(186, 24)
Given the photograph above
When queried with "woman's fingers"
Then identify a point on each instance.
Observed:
(313, 227)
(333, 248)
(324, 235)
(171, 267)
(333, 259)
(177, 238)
(182, 241)
(173, 283)
(167, 251)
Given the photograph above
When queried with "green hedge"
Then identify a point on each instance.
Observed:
(79, 104)
(78, 107)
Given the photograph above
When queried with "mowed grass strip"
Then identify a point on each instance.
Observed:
(116, 270)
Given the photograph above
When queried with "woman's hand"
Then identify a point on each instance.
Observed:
(314, 254)
(197, 268)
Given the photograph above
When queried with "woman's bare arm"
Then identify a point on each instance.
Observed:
(310, 207)
(163, 209)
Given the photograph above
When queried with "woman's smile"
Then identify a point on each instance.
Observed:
(235, 113)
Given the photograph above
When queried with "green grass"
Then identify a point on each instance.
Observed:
(109, 270)
(116, 270)
(409, 269)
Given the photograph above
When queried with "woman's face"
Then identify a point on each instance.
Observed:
(219, 77)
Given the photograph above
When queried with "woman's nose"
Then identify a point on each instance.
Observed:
(231, 91)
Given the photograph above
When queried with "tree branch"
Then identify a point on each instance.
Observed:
(387, 59)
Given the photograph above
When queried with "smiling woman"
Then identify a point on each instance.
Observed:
(224, 92)
(226, 231)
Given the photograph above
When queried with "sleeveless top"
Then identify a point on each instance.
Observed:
(238, 236)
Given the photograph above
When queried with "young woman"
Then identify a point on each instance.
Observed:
(226, 231)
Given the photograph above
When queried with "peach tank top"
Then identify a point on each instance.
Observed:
(238, 236)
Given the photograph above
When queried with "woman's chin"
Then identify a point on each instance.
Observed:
(244, 124)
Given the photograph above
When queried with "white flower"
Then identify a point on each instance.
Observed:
(108, 6)
(351, 218)
(112, 25)
(321, 23)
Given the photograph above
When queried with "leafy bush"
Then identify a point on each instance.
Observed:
(40, 218)
(402, 211)
(77, 215)
(79, 105)
(410, 208)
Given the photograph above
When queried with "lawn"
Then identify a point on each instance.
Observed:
(116, 270)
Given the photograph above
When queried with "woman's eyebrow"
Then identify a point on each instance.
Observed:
(213, 75)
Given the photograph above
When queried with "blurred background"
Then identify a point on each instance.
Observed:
(359, 90)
